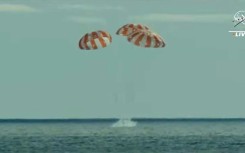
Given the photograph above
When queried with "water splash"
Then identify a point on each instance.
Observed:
(124, 123)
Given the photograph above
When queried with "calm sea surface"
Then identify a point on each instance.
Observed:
(98, 136)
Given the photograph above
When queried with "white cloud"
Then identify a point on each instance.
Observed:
(184, 17)
(16, 8)
(89, 20)
(91, 7)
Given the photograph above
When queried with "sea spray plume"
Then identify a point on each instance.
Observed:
(124, 122)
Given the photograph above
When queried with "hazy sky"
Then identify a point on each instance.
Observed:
(43, 73)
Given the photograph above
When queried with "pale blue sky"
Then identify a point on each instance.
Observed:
(43, 73)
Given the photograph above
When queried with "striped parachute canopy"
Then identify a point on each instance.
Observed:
(95, 40)
(143, 38)
(130, 28)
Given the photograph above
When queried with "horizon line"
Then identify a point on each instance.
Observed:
(115, 118)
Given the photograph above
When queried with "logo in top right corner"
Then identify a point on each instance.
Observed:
(239, 20)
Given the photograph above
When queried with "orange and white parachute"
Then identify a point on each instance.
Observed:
(145, 38)
(130, 28)
(95, 40)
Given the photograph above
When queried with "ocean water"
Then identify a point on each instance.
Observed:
(99, 136)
